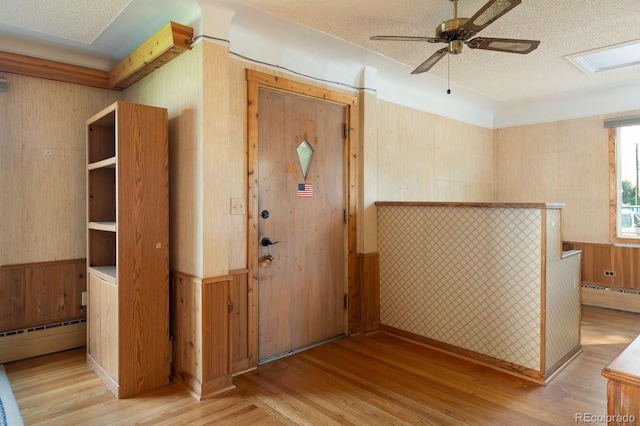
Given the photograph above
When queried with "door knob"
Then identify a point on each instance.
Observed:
(266, 241)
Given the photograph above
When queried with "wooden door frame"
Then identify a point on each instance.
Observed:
(256, 80)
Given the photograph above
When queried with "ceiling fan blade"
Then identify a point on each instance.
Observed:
(407, 38)
(504, 44)
(489, 13)
(433, 59)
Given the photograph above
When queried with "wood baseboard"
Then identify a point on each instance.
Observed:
(104, 376)
(202, 391)
(36, 341)
(497, 364)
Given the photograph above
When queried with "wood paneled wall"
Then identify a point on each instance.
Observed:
(597, 259)
(243, 330)
(211, 330)
(364, 302)
(43, 293)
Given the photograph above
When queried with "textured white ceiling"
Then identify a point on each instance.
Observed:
(109, 30)
(78, 20)
(91, 33)
(563, 27)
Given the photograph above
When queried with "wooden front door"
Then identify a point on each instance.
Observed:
(301, 222)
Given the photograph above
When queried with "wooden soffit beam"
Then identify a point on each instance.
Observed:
(165, 45)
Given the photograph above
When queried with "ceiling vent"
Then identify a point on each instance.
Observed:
(607, 58)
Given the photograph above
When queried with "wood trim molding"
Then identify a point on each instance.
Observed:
(613, 192)
(172, 40)
(543, 290)
(52, 70)
(542, 206)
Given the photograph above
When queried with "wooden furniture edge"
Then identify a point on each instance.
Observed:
(620, 369)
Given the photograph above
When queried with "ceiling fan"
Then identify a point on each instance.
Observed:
(458, 31)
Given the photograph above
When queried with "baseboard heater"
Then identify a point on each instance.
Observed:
(613, 298)
(41, 340)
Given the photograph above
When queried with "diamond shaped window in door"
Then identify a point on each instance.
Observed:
(305, 154)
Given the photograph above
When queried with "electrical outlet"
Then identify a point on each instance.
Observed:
(609, 273)
(238, 206)
(84, 298)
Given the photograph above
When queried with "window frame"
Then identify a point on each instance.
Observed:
(613, 190)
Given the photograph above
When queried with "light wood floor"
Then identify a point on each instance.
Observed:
(375, 380)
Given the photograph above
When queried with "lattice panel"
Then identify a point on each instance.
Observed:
(466, 276)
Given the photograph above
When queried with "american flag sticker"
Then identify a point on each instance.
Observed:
(305, 190)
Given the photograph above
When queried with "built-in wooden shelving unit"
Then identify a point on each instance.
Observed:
(128, 247)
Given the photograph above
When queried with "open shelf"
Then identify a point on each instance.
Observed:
(101, 136)
(102, 226)
(102, 249)
(102, 195)
(107, 273)
(107, 162)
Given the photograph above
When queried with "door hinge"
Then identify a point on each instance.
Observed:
(344, 215)
(345, 301)
(346, 130)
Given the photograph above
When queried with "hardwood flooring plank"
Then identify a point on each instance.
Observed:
(380, 379)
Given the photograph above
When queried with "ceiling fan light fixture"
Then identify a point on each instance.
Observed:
(455, 47)
(456, 32)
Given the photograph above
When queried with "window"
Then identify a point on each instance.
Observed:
(624, 158)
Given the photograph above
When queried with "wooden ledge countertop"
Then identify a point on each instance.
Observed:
(569, 253)
(482, 205)
(625, 368)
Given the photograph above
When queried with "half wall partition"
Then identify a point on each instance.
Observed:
(486, 281)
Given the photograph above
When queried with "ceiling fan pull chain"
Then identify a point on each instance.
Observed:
(448, 75)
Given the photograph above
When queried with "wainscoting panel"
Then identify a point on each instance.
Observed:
(41, 293)
(610, 275)
(41, 308)
(202, 330)
(369, 292)
(609, 265)
(243, 327)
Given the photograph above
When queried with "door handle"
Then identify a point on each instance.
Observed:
(266, 241)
